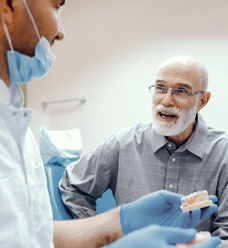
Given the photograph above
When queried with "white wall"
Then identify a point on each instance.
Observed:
(110, 54)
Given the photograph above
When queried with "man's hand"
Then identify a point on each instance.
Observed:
(161, 208)
(162, 237)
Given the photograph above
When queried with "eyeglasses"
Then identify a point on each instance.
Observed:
(159, 90)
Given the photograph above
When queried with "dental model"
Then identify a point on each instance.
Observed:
(197, 199)
(200, 237)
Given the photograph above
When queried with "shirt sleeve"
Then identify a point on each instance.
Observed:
(220, 222)
(85, 181)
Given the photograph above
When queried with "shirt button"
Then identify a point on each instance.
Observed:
(169, 145)
(25, 114)
(170, 186)
(173, 159)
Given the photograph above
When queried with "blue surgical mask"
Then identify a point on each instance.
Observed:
(23, 68)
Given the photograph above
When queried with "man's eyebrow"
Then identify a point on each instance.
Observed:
(178, 84)
(185, 86)
(159, 81)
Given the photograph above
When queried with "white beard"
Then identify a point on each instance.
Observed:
(185, 118)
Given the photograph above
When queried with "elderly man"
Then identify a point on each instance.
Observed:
(176, 152)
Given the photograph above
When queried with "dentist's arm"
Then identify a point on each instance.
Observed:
(91, 232)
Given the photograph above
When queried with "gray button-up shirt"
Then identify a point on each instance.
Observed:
(137, 161)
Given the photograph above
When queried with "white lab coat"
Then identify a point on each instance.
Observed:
(25, 210)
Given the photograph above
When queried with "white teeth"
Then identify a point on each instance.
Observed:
(167, 113)
(168, 116)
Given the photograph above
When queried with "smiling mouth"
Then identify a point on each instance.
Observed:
(167, 115)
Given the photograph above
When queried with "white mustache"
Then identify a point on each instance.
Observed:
(170, 110)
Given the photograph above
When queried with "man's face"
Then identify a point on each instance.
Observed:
(172, 115)
(46, 14)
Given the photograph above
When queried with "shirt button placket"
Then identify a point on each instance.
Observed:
(171, 174)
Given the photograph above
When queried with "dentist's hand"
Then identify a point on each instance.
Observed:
(162, 237)
(161, 208)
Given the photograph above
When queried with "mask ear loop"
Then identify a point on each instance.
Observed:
(7, 34)
(31, 18)
(12, 54)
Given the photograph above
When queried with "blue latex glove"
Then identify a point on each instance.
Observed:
(161, 208)
(162, 237)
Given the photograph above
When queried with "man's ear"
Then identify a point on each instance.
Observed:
(204, 100)
(6, 9)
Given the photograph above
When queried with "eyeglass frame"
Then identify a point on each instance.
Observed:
(173, 91)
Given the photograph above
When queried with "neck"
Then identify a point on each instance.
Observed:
(181, 138)
(4, 74)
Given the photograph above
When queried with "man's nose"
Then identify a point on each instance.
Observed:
(61, 33)
(168, 99)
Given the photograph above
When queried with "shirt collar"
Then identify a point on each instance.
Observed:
(195, 143)
(4, 93)
(157, 140)
(11, 95)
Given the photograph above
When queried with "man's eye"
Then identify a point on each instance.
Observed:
(181, 90)
(160, 88)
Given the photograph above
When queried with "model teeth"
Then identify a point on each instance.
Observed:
(200, 237)
(196, 200)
